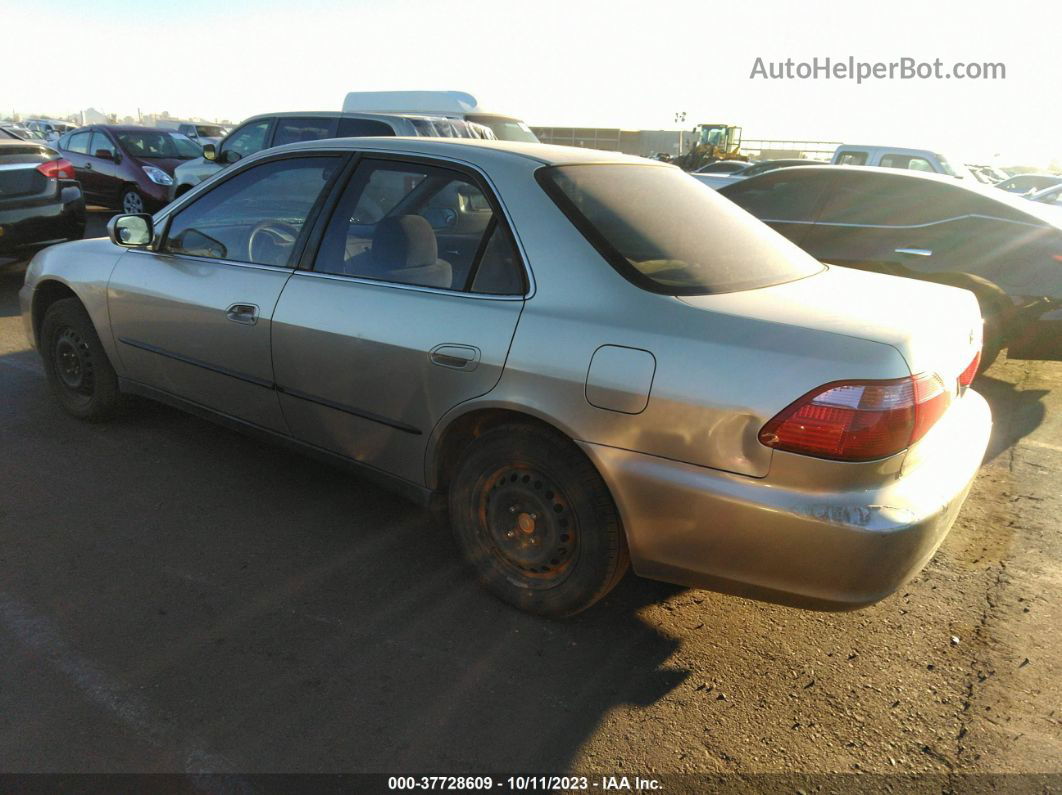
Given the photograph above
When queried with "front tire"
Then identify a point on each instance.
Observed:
(537, 523)
(78, 370)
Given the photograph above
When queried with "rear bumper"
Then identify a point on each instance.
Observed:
(59, 217)
(822, 549)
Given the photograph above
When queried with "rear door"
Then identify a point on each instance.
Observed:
(193, 318)
(103, 170)
(75, 148)
(394, 325)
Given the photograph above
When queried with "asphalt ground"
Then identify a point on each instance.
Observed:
(175, 597)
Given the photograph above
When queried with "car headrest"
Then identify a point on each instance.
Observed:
(405, 241)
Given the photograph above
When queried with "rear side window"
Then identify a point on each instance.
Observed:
(418, 224)
(668, 233)
(887, 200)
(360, 128)
(293, 130)
(782, 196)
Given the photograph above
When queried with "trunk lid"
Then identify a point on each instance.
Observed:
(937, 329)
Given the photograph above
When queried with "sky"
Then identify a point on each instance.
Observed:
(574, 63)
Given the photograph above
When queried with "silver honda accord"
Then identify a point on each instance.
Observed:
(589, 360)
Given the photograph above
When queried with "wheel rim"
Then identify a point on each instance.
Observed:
(132, 203)
(73, 363)
(529, 525)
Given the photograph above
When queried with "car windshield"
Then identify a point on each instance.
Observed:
(207, 131)
(668, 233)
(505, 129)
(157, 145)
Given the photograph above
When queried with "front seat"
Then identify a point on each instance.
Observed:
(404, 250)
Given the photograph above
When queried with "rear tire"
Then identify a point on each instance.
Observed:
(535, 520)
(78, 370)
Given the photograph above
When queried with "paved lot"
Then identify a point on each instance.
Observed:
(176, 597)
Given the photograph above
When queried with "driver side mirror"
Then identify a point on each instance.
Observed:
(209, 153)
(131, 231)
(228, 157)
(105, 154)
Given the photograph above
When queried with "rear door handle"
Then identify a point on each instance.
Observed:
(456, 357)
(87, 165)
(916, 252)
(243, 313)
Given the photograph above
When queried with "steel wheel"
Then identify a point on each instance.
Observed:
(132, 203)
(73, 363)
(532, 526)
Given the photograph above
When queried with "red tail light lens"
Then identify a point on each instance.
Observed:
(967, 376)
(57, 169)
(859, 420)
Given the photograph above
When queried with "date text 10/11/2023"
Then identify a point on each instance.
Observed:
(524, 783)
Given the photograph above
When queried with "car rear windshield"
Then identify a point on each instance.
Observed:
(668, 233)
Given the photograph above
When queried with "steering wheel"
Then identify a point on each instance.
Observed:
(275, 239)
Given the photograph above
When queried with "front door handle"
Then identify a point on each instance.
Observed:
(88, 166)
(243, 313)
(916, 252)
(456, 357)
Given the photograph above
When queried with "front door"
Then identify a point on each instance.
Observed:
(402, 317)
(193, 318)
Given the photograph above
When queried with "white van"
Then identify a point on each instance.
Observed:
(451, 104)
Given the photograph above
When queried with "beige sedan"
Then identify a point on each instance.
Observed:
(589, 360)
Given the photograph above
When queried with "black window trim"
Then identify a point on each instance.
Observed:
(309, 252)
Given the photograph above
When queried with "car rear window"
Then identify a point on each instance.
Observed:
(668, 233)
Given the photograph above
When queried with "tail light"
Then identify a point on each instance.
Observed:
(1058, 257)
(967, 376)
(57, 169)
(859, 420)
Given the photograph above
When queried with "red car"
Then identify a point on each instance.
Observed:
(125, 167)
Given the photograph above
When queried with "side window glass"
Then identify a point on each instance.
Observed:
(886, 200)
(257, 216)
(246, 140)
(500, 271)
(780, 196)
(358, 128)
(416, 224)
(853, 159)
(79, 143)
(291, 130)
(101, 141)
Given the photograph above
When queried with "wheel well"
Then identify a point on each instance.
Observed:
(465, 429)
(46, 294)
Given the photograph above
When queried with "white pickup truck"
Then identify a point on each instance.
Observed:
(924, 160)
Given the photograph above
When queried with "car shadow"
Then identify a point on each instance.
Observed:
(293, 617)
(1015, 412)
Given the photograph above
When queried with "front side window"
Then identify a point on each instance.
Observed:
(422, 225)
(79, 143)
(907, 161)
(256, 216)
(100, 142)
(248, 139)
(292, 130)
(668, 233)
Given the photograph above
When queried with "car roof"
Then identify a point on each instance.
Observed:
(547, 154)
(1042, 212)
